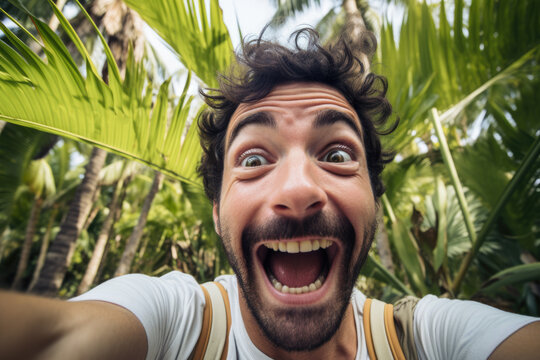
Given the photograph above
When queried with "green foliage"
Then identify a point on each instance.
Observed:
(513, 275)
(289, 8)
(194, 31)
(462, 197)
(459, 63)
(48, 95)
(39, 178)
(18, 145)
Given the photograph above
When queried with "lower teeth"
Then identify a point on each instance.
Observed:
(297, 290)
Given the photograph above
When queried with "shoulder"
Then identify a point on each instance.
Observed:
(432, 310)
(461, 329)
(228, 282)
(146, 288)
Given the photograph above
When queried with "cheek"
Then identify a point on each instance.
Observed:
(247, 200)
(238, 208)
(230, 238)
(354, 199)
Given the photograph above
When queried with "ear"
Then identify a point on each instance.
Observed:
(215, 214)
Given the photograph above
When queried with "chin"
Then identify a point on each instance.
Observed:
(302, 317)
(297, 278)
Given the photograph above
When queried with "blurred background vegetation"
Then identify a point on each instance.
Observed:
(98, 152)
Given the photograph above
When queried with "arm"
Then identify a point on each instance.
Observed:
(40, 328)
(523, 344)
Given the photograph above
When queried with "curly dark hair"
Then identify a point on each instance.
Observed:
(262, 65)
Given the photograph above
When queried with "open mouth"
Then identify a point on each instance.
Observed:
(297, 267)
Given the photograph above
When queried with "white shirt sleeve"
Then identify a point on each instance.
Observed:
(457, 329)
(170, 309)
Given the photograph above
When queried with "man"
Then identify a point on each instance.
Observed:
(292, 163)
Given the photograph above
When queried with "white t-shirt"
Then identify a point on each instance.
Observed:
(170, 309)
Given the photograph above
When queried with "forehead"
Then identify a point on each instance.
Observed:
(294, 101)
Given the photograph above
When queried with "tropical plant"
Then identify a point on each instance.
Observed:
(36, 226)
(67, 180)
(18, 147)
(118, 175)
(463, 85)
(159, 132)
(448, 73)
(426, 78)
(39, 179)
(133, 242)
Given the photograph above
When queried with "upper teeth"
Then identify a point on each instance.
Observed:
(298, 246)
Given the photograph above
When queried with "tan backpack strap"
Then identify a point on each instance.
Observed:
(225, 297)
(403, 317)
(381, 337)
(367, 329)
(214, 338)
(202, 342)
(378, 331)
(391, 334)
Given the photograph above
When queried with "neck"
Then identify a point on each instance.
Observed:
(343, 345)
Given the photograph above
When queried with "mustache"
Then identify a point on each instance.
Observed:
(319, 224)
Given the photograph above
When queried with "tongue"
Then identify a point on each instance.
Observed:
(296, 270)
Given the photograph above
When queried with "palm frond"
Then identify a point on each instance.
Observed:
(17, 148)
(373, 269)
(54, 96)
(513, 275)
(287, 9)
(331, 25)
(193, 30)
(39, 178)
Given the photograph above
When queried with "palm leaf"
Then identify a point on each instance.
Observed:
(506, 75)
(17, 147)
(513, 275)
(373, 269)
(194, 31)
(287, 9)
(406, 249)
(39, 178)
(508, 190)
(54, 96)
(441, 250)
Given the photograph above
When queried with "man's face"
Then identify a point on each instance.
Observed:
(296, 212)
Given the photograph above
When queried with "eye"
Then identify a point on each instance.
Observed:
(337, 156)
(253, 161)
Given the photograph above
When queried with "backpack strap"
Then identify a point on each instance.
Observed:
(213, 341)
(403, 317)
(381, 337)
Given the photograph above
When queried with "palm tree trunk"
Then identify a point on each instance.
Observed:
(43, 248)
(54, 22)
(61, 250)
(27, 245)
(361, 41)
(101, 243)
(383, 245)
(94, 210)
(123, 27)
(133, 242)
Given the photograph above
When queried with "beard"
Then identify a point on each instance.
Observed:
(300, 328)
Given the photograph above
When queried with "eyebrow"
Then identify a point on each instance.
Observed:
(330, 117)
(260, 118)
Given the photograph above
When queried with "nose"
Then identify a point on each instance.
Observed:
(297, 192)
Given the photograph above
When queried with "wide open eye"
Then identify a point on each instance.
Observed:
(337, 156)
(254, 160)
